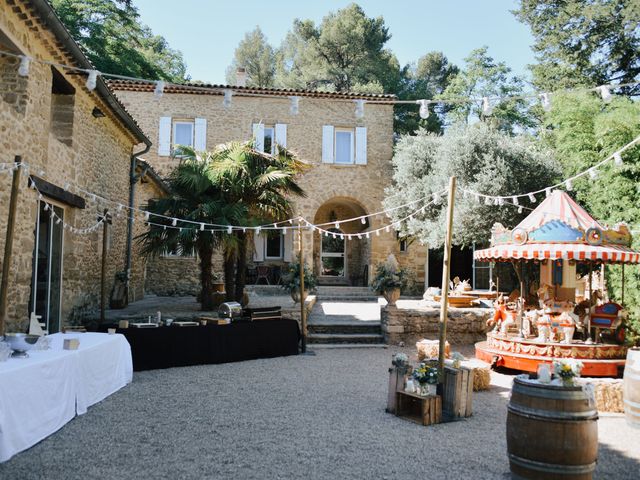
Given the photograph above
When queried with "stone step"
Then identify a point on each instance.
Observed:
(356, 338)
(348, 298)
(343, 291)
(317, 346)
(351, 328)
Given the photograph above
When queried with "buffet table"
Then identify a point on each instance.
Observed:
(40, 394)
(175, 346)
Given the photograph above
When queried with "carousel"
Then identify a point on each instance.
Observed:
(559, 310)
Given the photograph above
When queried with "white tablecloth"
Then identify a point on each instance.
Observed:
(39, 394)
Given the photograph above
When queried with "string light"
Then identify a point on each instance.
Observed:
(201, 227)
(294, 108)
(226, 102)
(337, 225)
(605, 93)
(23, 69)
(487, 200)
(547, 192)
(174, 222)
(359, 108)
(593, 173)
(532, 198)
(487, 108)
(92, 80)
(569, 185)
(229, 229)
(545, 100)
(159, 90)
(617, 159)
(363, 220)
(424, 108)
(515, 200)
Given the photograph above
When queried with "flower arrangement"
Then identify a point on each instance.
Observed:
(457, 357)
(567, 369)
(389, 276)
(426, 373)
(400, 360)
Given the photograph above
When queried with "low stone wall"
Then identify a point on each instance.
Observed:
(409, 322)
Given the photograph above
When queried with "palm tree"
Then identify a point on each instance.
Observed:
(261, 184)
(195, 198)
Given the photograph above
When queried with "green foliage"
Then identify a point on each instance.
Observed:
(116, 42)
(583, 42)
(344, 53)
(584, 131)
(481, 76)
(291, 278)
(389, 276)
(257, 57)
(484, 160)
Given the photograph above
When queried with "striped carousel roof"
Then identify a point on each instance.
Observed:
(556, 251)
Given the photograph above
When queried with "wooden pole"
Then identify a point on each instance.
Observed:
(446, 268)
(303, 316)
(103, 271)
(8, 245)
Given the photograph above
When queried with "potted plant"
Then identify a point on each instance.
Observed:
(389, 280)
(291, 281)
(567, 370)
(426, 375)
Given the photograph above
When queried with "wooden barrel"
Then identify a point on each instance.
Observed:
(631, 387)
(552, 431)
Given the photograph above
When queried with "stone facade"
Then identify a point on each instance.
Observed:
(334, 192)
(410, 324)
(56, 134)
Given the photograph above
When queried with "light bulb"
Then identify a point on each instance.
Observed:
(547, 192)
(363, 220)
(146, 215)
(487, 108)
(201, 227)
(605, 93)
(294, 108)
(159, 90)
(520, 209)
(174, 222)
(226, 102)
(532, 198)
(92, 80)
(337, 225)
(569, 185)
(593, 173)
(23, 69)
(424, 108)
(617, 159)
(359, 108)
(487, 200)
(229, 229)
(258, 231)
(545, 100)
(515, 200)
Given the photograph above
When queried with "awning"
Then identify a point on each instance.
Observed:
(555, 251)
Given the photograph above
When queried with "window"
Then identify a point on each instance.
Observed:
(177, 251)
(269, 140)
(273, 247)
(62, 106)
(344, 146)
(402, 241)
(183, 133)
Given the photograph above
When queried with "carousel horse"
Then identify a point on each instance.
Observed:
(502, 318)
(545, 293)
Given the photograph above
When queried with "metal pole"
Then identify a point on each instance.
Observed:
(622, 291)
(303, 317)
(8, 245)
(446, 267)
(103, 271)
(590, 300)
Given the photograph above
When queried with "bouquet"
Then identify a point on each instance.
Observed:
(425, 373)
(567, 370)
(400, 360)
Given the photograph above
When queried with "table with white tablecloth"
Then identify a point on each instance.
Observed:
(40, 394)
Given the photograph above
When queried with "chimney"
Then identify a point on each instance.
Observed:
(241, 77)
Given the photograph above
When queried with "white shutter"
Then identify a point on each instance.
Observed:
(281, 134)
(288, 246)
(164, 137)
(258, 136)
(258, 245)
(361, 145)
(327, 144)
(200, 135)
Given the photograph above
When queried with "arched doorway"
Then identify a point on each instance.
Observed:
(341, 259)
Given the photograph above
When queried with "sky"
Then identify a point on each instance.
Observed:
(208, 31)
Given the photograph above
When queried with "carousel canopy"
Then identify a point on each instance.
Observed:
(559, 228)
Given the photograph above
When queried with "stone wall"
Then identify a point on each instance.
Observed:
(361, 185)
(96, 158)
(410, 324)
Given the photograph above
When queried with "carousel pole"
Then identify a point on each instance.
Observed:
(622, 288)
(590, 300)
(446, 268)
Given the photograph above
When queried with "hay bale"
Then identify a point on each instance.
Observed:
(481, 374)
(607, 393)
(431, 349)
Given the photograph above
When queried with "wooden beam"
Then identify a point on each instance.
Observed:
(8, 245)
(58, 193)
(446, 268)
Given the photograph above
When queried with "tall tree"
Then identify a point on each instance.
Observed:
(116, 42)
(257, 57)
(482, 76)
(484, 160)
(583, 42)
(424, 80)
(344, 53)
(584, 131)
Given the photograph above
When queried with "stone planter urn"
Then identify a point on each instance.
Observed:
(391, 296)
(295, 295)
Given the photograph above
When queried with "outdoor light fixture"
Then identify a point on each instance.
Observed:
(92, 80)
(294, 108)
(226, 103)
(424, 108)
(532, 198)
(487, 108)
(605, 93)
(23, 69)
(515, 200)
(545, 99)
(229, 229)
(97, 113)
(359, 108)
(159, 90)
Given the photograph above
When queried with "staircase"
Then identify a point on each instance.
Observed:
(345, 317)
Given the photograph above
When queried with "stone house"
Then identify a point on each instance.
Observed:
(78, 144)
(350, 165)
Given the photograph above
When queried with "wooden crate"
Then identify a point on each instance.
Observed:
(422, 410)
(397, 378)
(457, 394)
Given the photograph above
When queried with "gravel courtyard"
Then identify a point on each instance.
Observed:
(307, 417)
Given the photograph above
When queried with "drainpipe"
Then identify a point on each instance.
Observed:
(133, 179)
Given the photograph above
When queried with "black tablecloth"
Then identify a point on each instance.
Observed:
(174, 346)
